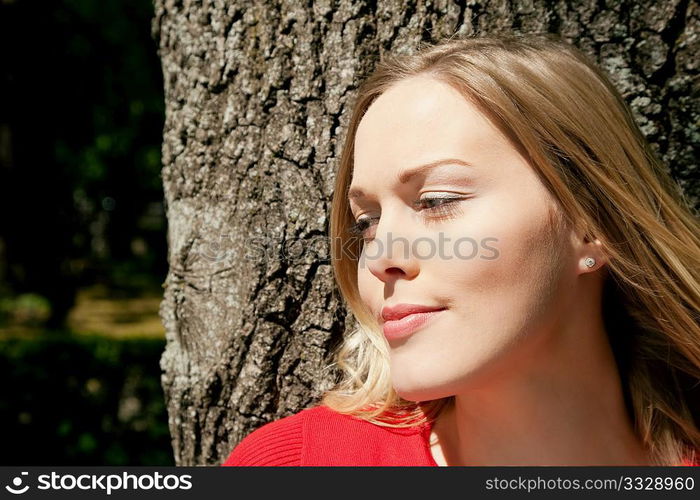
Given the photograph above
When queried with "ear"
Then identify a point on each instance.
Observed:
(590, 254)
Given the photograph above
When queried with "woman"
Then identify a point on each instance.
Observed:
(524, 273)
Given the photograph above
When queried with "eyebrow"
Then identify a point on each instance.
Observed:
(405, 175)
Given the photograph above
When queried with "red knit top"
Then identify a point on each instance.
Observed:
(320, 436)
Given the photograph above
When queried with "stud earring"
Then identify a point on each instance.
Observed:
(590, 261)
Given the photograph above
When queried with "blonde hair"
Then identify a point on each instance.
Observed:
(566, 118)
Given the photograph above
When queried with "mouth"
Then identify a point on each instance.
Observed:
(400, 311)
(407, 324)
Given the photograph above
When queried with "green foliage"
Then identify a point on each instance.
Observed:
(80, 400)
(83, 164)
(27, 308)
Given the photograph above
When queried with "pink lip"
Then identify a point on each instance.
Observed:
(400, 310)
(404, 319)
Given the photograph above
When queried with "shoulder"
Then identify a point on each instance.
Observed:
(321, 436)
(276, 443)
(338, 439)
(281, 442)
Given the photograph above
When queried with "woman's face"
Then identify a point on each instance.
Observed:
(492, 255)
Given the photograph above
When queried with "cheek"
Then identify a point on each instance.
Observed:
(369, 286)
(364, 276)
(520, 281)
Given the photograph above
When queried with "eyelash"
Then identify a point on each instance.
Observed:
(444, 210)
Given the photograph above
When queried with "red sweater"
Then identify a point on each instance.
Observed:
(319, 436)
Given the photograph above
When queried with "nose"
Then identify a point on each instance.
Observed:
(390, 255)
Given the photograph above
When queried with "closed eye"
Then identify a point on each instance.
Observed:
(436, 207)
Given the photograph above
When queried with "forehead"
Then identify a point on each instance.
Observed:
(416, 121)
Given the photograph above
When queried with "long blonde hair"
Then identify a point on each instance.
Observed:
(564, 115)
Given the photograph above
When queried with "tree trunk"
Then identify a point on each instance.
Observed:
(257, 98)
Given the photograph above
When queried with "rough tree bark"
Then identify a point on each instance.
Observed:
(257, 97)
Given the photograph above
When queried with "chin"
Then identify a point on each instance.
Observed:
(421, 393)
(418, 383)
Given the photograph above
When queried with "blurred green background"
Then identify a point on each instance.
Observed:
(83, 251)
